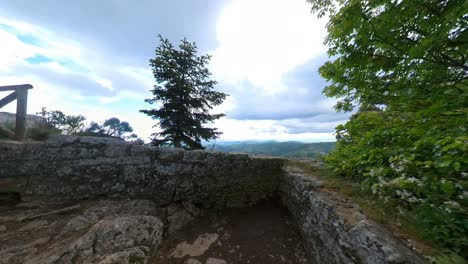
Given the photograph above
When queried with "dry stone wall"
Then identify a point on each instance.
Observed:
(74, 168)
(335, 230)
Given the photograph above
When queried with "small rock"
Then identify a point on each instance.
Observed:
(225, 236)
(172, 208)
(215, 261)
(199, 246)
(178, 220)
(3, 228)
(191, 208)
(137, 255)
(192, 261)
(76, 223)
(34, 225)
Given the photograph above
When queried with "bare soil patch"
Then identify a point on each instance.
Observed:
(264, 233)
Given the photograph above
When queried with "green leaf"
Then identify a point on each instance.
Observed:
(448, 188)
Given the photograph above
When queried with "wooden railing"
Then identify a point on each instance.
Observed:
(20, 94)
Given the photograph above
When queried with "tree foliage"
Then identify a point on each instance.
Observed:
(111, 127)
(404, 64)
(69, 124)
(184, 94)
(75, 125)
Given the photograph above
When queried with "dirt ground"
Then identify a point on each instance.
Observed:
(264, 233)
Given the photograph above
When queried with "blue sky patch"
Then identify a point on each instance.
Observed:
(71, 65)
(37, 59)
(28, 39)
(7, 28)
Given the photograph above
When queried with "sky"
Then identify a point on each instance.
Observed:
(91, 58)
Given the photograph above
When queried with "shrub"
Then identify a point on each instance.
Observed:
(42, 133)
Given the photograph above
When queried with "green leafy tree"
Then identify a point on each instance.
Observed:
(409, 60)
(184, 93)
(69, 124)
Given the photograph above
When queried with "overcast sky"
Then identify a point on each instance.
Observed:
(91, 57)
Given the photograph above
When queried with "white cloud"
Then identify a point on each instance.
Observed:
(262, 40)
(70, 79)
(266, 130)
(259, 43)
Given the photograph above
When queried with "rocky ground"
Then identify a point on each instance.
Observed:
(261, 234)
(136, 231)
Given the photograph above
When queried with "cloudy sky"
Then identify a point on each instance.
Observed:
(91, 57)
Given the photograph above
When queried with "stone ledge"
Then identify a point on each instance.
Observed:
(336, 231)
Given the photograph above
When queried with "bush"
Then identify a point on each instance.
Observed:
(420, 167)
(9, 126)
(42, 133)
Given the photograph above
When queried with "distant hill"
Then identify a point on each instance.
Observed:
(290, 149)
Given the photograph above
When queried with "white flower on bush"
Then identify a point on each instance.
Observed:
(452, 204)
(404, 194)
(375, 172)
(463, 195)
(449, 205)
(399, 163)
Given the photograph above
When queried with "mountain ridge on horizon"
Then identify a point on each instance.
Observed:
(287, 149)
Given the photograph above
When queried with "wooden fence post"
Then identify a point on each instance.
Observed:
(21, 113)
(21, 95)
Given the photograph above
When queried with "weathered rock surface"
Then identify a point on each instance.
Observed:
(215, 261)
(335, 231)
(104, 231)
(108, 241)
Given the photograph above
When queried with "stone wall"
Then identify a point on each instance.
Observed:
(74, 168)
(335, 230)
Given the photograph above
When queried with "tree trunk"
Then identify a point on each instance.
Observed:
(177, 141)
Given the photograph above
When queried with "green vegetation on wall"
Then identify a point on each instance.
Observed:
(403, 64)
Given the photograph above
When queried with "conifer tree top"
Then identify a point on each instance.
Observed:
(183, 94)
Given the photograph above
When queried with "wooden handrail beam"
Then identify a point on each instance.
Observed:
(15, 87)
(8, 99)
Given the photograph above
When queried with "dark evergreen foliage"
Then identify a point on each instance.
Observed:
(111, 127)
(184, 94)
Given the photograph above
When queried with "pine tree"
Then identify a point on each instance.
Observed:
(185, 95)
